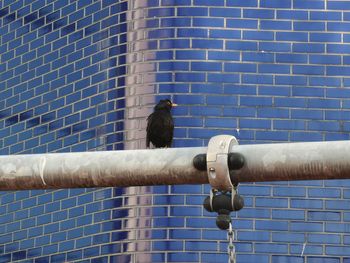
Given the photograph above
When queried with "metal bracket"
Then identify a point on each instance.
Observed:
(217, 166)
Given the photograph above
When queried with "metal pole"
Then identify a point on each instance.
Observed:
(100, 169)
(263, 162)
(293, 161)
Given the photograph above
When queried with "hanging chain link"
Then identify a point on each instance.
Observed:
(231, 247)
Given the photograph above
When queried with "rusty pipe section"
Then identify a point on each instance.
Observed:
(293, 161)
(100, 169)
(262, 162)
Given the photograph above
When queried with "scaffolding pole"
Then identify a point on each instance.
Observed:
(262, 162)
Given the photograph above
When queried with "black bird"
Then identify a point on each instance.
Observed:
(160, 125)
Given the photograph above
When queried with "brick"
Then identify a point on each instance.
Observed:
(257, 79)
(337, 250)
(274, 68)
(324, 192)
(291, 80)
(258, 35)
(241, 45)
(308, 250)
(323, 103)
(222, 100)
(324, 81)
(255, 190)
(190, 77)
(323, 259)
(281, 259)
(325, 37)
(248, 3)
(242, 23)
(323, 125)
(212, 22)
(289, 124)
(240, 67)
(307, 91)
(337, 227)
(258, 13)
(239, 112)
(271, 202)
(289, 191)
(325, 59)
(206, 88)
(275, 46)
(272, 225)
(273, 113)
(309, 203)
(239, 89)
(337, 26)
(174, 43)
(224, 33)
(223, 78)
(308, 48)
(192, 11)
(292, 36)
(323, 216)
(206, 66)
(276, 4)
(338, 48)
(212, 257)
(200, 246)
(288, 214)
(225, 12)
(338, 5)
(309, 26)
(193, 54)
(253, 236)
(204, 43)
(189, 32)
(306, 227)
(336, 204)
(324, 239)
(308, 70)
(312, 4)
(292, 14)
(221, 122)
(338, 70)
(222, 55)
(257, 123)
(291, 58)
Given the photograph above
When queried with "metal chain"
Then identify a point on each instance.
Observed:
(231, 247)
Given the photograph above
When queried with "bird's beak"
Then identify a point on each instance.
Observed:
(174, 104)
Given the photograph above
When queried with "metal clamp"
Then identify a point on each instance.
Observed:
(217, 166)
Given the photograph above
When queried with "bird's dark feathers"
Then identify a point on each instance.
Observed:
(160, 125)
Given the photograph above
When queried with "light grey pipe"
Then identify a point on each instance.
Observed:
(263, 162)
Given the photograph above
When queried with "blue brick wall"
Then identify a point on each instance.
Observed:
(263, 71)
(84, 75)
(62, 86)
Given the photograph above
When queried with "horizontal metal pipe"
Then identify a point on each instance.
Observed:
(100, 169)
(263, 162)
(293, 161)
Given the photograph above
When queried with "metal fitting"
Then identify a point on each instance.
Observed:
(217, 165)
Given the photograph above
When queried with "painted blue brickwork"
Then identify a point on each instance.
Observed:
(83, 75)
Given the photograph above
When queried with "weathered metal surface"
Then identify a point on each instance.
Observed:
(98, 169)
(263, 162)
(217, 165)
(294, 161)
